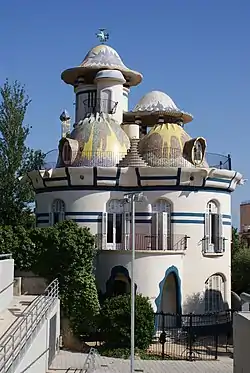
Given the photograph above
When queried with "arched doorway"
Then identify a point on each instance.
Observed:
(169, 295)
(119, 282)
(168, 301)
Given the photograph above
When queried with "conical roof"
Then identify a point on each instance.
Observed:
(99, 58)
(157, 103)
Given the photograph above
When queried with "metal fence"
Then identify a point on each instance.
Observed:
(169, 157)
(15, 341)
(191, 336)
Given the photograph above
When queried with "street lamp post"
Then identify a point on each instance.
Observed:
(131, 198)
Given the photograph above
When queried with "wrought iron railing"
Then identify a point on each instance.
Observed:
(144, 242)
(170, 157)
(15, 341)
(218, 247)
(100, 105)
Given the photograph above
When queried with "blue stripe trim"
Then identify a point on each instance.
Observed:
(178, 188)
(196, 214)
(218, 180)
(87, 220)
(143, 221)
(40, 214)
(158, 177)
(225, 216)
(42, 221)
(226, 223)
(180, 221)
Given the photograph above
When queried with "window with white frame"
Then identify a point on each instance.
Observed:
(113, 222)
(215, 293)
(58, 211)
(213, 227)
(161, 225)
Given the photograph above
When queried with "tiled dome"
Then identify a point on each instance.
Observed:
(98, 140)
(163, 146)
(99, 58)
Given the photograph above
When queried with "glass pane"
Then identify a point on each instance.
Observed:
(110, 228)
(118, 226)
(56, 217)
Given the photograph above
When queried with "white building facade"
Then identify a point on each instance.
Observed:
(183, 226)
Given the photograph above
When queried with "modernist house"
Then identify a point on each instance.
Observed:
(182, 223)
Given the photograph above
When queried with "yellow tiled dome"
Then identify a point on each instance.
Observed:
(163, 145)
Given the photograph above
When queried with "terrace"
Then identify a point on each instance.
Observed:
(167, 158)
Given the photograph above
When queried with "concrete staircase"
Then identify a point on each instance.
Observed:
(133, 157)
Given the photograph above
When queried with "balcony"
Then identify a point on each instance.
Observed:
(105, 159)
(144, 242)
(100, 106)
(213, 249)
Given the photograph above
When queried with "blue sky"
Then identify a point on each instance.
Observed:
(197, 51)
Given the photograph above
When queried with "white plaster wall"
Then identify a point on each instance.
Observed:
(116, 89)
(150, 268)
(125, 98)
(35, 359)
(82, 96)
(241, 337)
(196, 267)
(6, 282)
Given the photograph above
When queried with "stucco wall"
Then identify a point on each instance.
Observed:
(35, 358)
(85, 208)
(6, 282)
(241, 337)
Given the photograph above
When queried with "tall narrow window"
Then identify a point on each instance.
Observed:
(58, 211)
(215, 293)
(161, 225)
(213, 228)
(114, 223)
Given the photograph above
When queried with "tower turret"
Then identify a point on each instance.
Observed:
(101, 83)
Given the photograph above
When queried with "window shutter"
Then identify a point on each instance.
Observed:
(104, 230)
(163, 231)
(206, 232)
(220, 236)
(126, 230)
(216, 233)
(154, 231)
(61, 216)
(51, 219)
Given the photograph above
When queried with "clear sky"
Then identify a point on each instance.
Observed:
(197, 51)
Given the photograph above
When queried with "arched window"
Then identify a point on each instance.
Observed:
(213, 228)
(58, 211)
(215, 293)
(115, 209)
(161, 225)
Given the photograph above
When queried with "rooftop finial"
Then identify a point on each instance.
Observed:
(102, 35)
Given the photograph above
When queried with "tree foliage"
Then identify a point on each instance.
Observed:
(114, 321)
(240, 268)
(15, 157)
(66, 252)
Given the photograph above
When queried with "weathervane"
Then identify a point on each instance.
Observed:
(102, 35)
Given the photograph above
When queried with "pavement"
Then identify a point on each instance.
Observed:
(66, 359)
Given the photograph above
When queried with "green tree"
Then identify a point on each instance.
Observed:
(241, 271)
(236, 242)
(114, 322)
(15, 157)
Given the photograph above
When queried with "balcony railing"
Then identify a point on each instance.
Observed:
(107, 159)
(100, 105)
(144, 242)
(213, 248)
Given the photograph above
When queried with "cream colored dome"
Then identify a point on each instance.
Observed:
(155, 103)
(99, 58)
(97, 140)
(163, 146)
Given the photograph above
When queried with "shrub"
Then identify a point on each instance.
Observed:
(114, 322)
